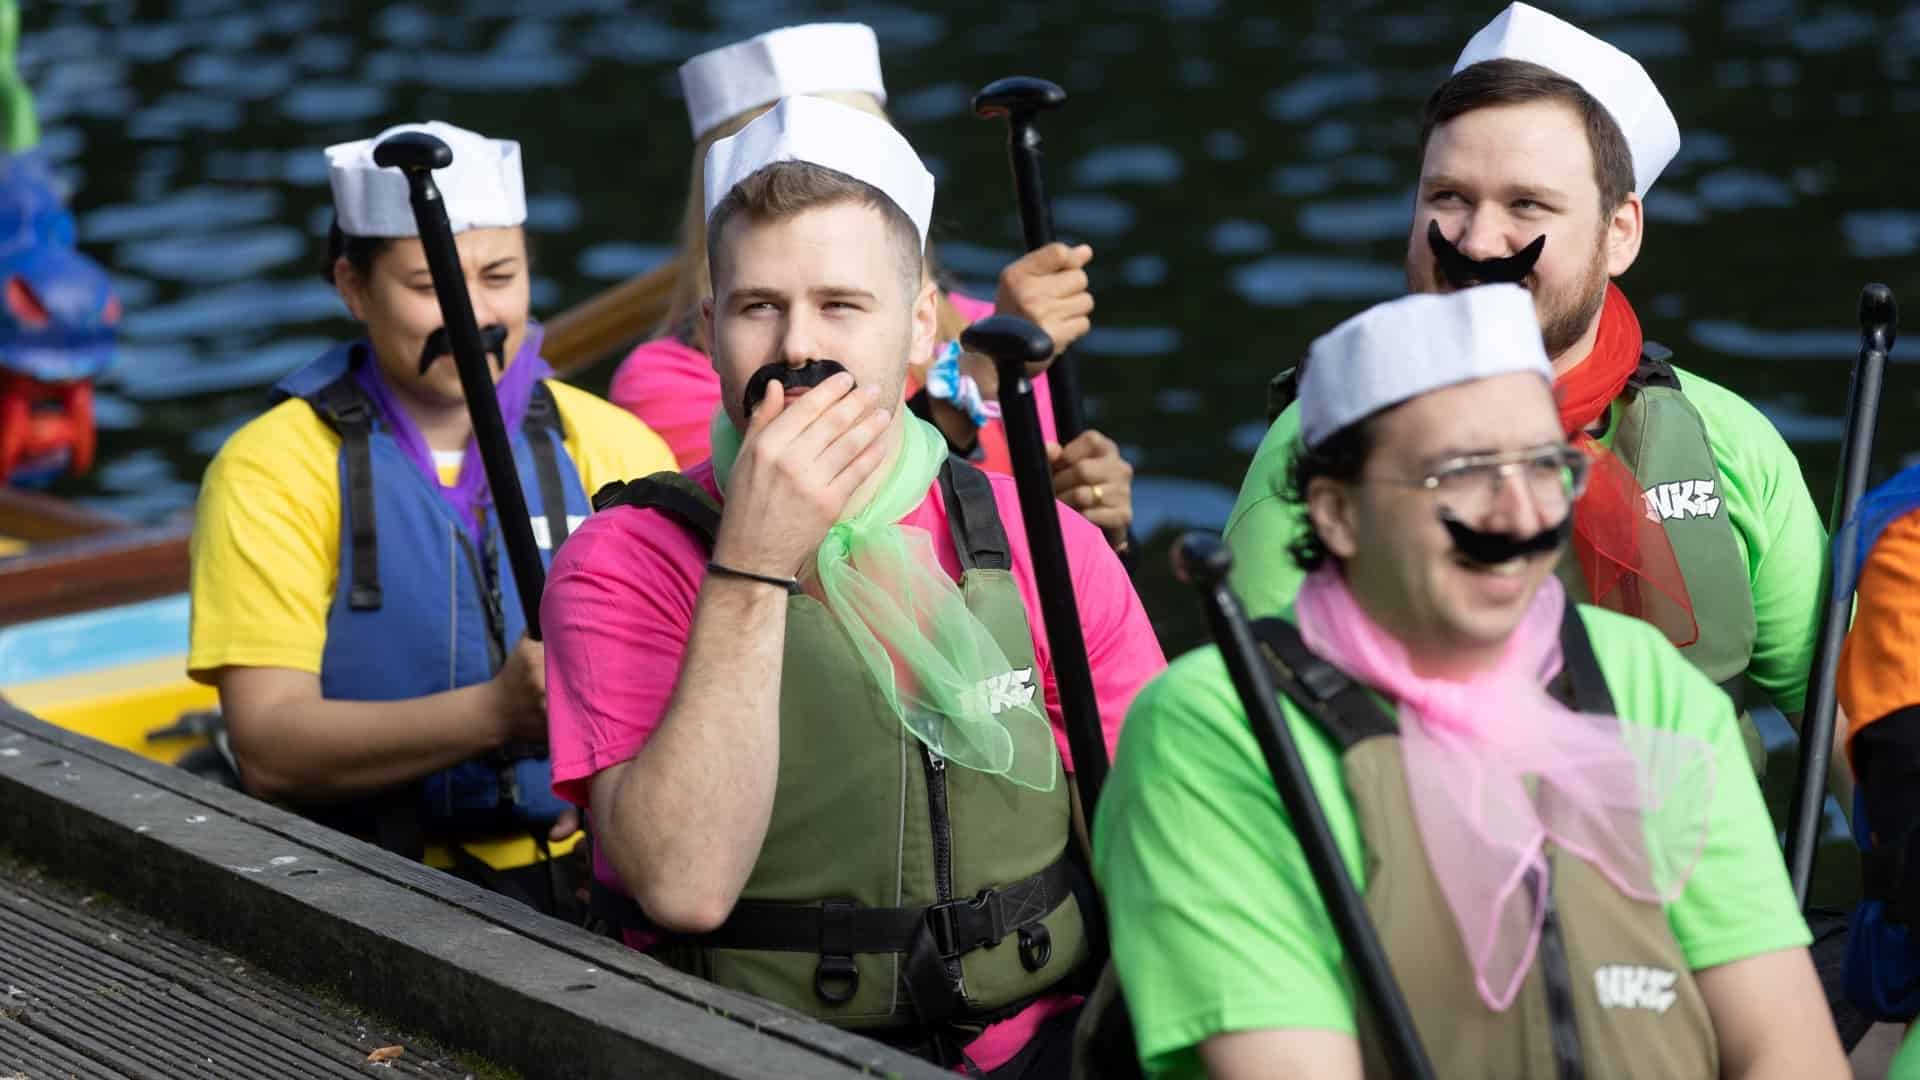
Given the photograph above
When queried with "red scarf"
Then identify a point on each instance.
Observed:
(1624, 553)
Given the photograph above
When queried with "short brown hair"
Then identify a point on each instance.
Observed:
(1519, 82)
(787, 188)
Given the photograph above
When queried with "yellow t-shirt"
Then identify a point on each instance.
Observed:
(266, 534)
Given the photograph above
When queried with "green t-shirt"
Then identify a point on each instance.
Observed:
(1217, 925)
(1764, 496)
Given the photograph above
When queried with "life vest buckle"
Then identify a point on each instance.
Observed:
(961, 926)
(835, 978)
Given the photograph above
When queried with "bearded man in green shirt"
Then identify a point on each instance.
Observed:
(1548, 811)
(1535, 156)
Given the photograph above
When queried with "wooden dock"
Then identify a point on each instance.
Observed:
(208, 873)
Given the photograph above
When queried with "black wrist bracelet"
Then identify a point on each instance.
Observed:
(792, 585)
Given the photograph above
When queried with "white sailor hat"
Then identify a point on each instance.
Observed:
(1399, 350)
(812, 59)
(1615, 79)
(831, 135)
(483, 187)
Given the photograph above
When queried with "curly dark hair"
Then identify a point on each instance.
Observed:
(1340, 456)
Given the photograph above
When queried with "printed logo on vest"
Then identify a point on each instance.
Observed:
(1680, 500)
(996, 694)
(1629, 986)
(543, 536)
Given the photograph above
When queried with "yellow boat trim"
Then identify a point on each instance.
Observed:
(121, 705)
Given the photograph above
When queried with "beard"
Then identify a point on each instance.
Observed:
(1565, 316)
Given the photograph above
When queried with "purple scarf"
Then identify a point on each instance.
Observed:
(469, 496)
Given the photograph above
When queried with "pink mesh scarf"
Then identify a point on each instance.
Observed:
(1496, 768)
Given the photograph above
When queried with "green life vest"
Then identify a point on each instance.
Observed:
(889, 883)
(1609, 992)
(1660, 437)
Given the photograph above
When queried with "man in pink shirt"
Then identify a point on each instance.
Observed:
(669, 381)
(802, 689)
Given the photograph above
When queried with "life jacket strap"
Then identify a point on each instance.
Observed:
(1655, 368)
(974, 518)
(671, 493)
(956, 927)
(1347, 714)
(837, 930)
(345, 408)
(1282, 390)
(978, 536)
(545, 432)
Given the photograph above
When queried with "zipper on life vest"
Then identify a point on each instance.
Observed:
(1564, 1029)
(942, 827)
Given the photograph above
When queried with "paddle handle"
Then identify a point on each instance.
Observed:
(1878, 323)
(476, 378)
(1036, 226)
(1202, 561)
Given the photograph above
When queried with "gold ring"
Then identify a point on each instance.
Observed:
(1098, 499)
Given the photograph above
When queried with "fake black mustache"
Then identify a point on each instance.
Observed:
(805, 377)
(1492, 549)
(1461, 271)
(493, 339)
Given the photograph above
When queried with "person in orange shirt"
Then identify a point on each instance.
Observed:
(1879, 689)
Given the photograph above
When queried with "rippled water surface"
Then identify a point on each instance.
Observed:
(1242, 170)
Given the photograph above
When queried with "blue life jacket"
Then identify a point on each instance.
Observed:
(418, 610)
(1882, 973)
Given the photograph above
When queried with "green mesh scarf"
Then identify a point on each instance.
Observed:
(931, 656)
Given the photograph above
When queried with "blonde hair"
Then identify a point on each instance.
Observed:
(673, 291)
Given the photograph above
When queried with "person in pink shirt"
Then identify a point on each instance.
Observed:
(802, 689)
(669, 381)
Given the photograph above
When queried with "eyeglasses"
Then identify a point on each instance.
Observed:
(1554, 477)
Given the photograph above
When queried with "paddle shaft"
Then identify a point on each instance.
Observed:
(1036, 223)
(1079, 708)
(1816, 724)
(476, 382)
(1405, 1055)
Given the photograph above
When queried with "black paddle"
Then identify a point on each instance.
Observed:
(1020, 99)
(1202, 561)
(1878, 321)
(1013, 343)
(417, 154)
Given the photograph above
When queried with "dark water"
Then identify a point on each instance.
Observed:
(1243, 171)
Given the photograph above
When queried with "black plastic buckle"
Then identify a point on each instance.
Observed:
(958, 927)
(835, 978)
(1036, 946)
(1323, 680)
(355, 412)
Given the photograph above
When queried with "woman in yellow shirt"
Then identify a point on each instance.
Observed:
(351, 600)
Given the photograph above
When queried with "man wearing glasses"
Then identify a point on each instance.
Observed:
(1548, 811)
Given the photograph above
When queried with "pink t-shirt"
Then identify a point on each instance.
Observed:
(672, 386)
(618, 613)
